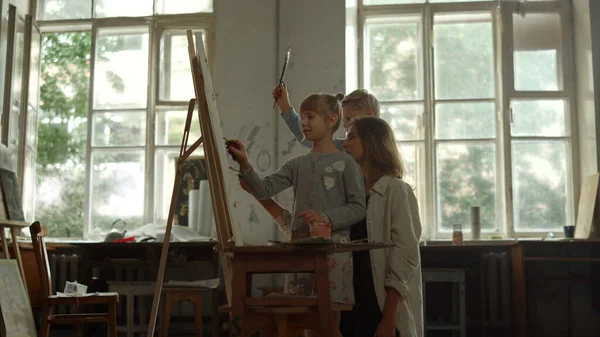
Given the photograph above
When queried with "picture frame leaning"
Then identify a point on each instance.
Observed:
(15, 308)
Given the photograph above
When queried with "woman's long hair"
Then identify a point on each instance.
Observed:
(380, 152)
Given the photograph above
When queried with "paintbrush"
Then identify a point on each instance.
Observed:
(285, 63)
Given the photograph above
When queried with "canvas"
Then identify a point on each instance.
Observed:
(11, 194)
(228, 178)
(14, 302)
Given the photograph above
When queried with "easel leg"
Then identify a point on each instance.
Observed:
(323, 297)
(238, 296)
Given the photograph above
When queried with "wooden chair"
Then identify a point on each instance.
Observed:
(173, 295)
(49, 301)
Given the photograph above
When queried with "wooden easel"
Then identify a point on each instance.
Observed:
(274, 316)
(15, 228)
(213, 167)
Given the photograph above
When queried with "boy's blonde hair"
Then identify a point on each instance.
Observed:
(362, 100)
(325, 105)
(379, 147)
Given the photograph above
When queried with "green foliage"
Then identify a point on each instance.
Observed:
(62, 130)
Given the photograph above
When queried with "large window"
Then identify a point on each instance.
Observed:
(113, 103)
(476, 92)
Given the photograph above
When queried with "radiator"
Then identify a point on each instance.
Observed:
(63, 268)
(496, 290)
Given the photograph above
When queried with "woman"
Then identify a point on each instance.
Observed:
(387, 282)
(393, 275)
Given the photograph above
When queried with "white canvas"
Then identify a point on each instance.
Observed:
(14, 302)
(229, 177)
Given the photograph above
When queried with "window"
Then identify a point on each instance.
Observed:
(477, 125)
(113, 103)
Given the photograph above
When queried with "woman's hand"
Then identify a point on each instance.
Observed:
(280, 94)
(386, 327)
(310, 216)
(237, 150)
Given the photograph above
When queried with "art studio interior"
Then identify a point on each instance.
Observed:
(126, 209)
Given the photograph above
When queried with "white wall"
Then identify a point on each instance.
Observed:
(584, 68)
(244, 71)
(251, 40)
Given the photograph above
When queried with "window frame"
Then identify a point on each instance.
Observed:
(563, 8)
(501, 18)
(156, 24)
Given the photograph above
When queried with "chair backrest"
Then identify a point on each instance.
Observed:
(41, 257)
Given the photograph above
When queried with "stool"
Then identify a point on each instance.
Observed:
(173, 295)
(130, 290)
(457, 277)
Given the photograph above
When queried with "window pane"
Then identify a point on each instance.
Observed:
(117, 189)
(163, 182)
(465, 120)
(64, 9)
(405, 119)
(183, 6)
(29, 187)
(170, 125)
(32, 127)
(14, 122)
(542, 196)
(119, 129)
(434, 1)
(539, 118)
(175, 75)
(537, 50)
(413, 156)
(121, 73)
(392, 2)
(34, 70)
(119, 8)
(62, 132)
(466, 177)
(463, 56)
(17, 69)
(393, 59)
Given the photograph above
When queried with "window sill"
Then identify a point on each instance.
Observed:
(497, 242)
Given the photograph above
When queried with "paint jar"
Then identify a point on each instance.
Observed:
(320, 230)
(457, 235)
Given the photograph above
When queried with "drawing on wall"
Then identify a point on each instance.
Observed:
(14, 303)
(11, 195)
(193, 171)
(249, 140)
(263, 161)
(290, 147)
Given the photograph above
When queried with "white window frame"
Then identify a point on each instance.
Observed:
(501, 12)
(156, 24)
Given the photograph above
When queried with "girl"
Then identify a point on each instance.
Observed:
(328, 188)
(357, 104)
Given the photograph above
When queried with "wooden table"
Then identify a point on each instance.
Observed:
(285, 258)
